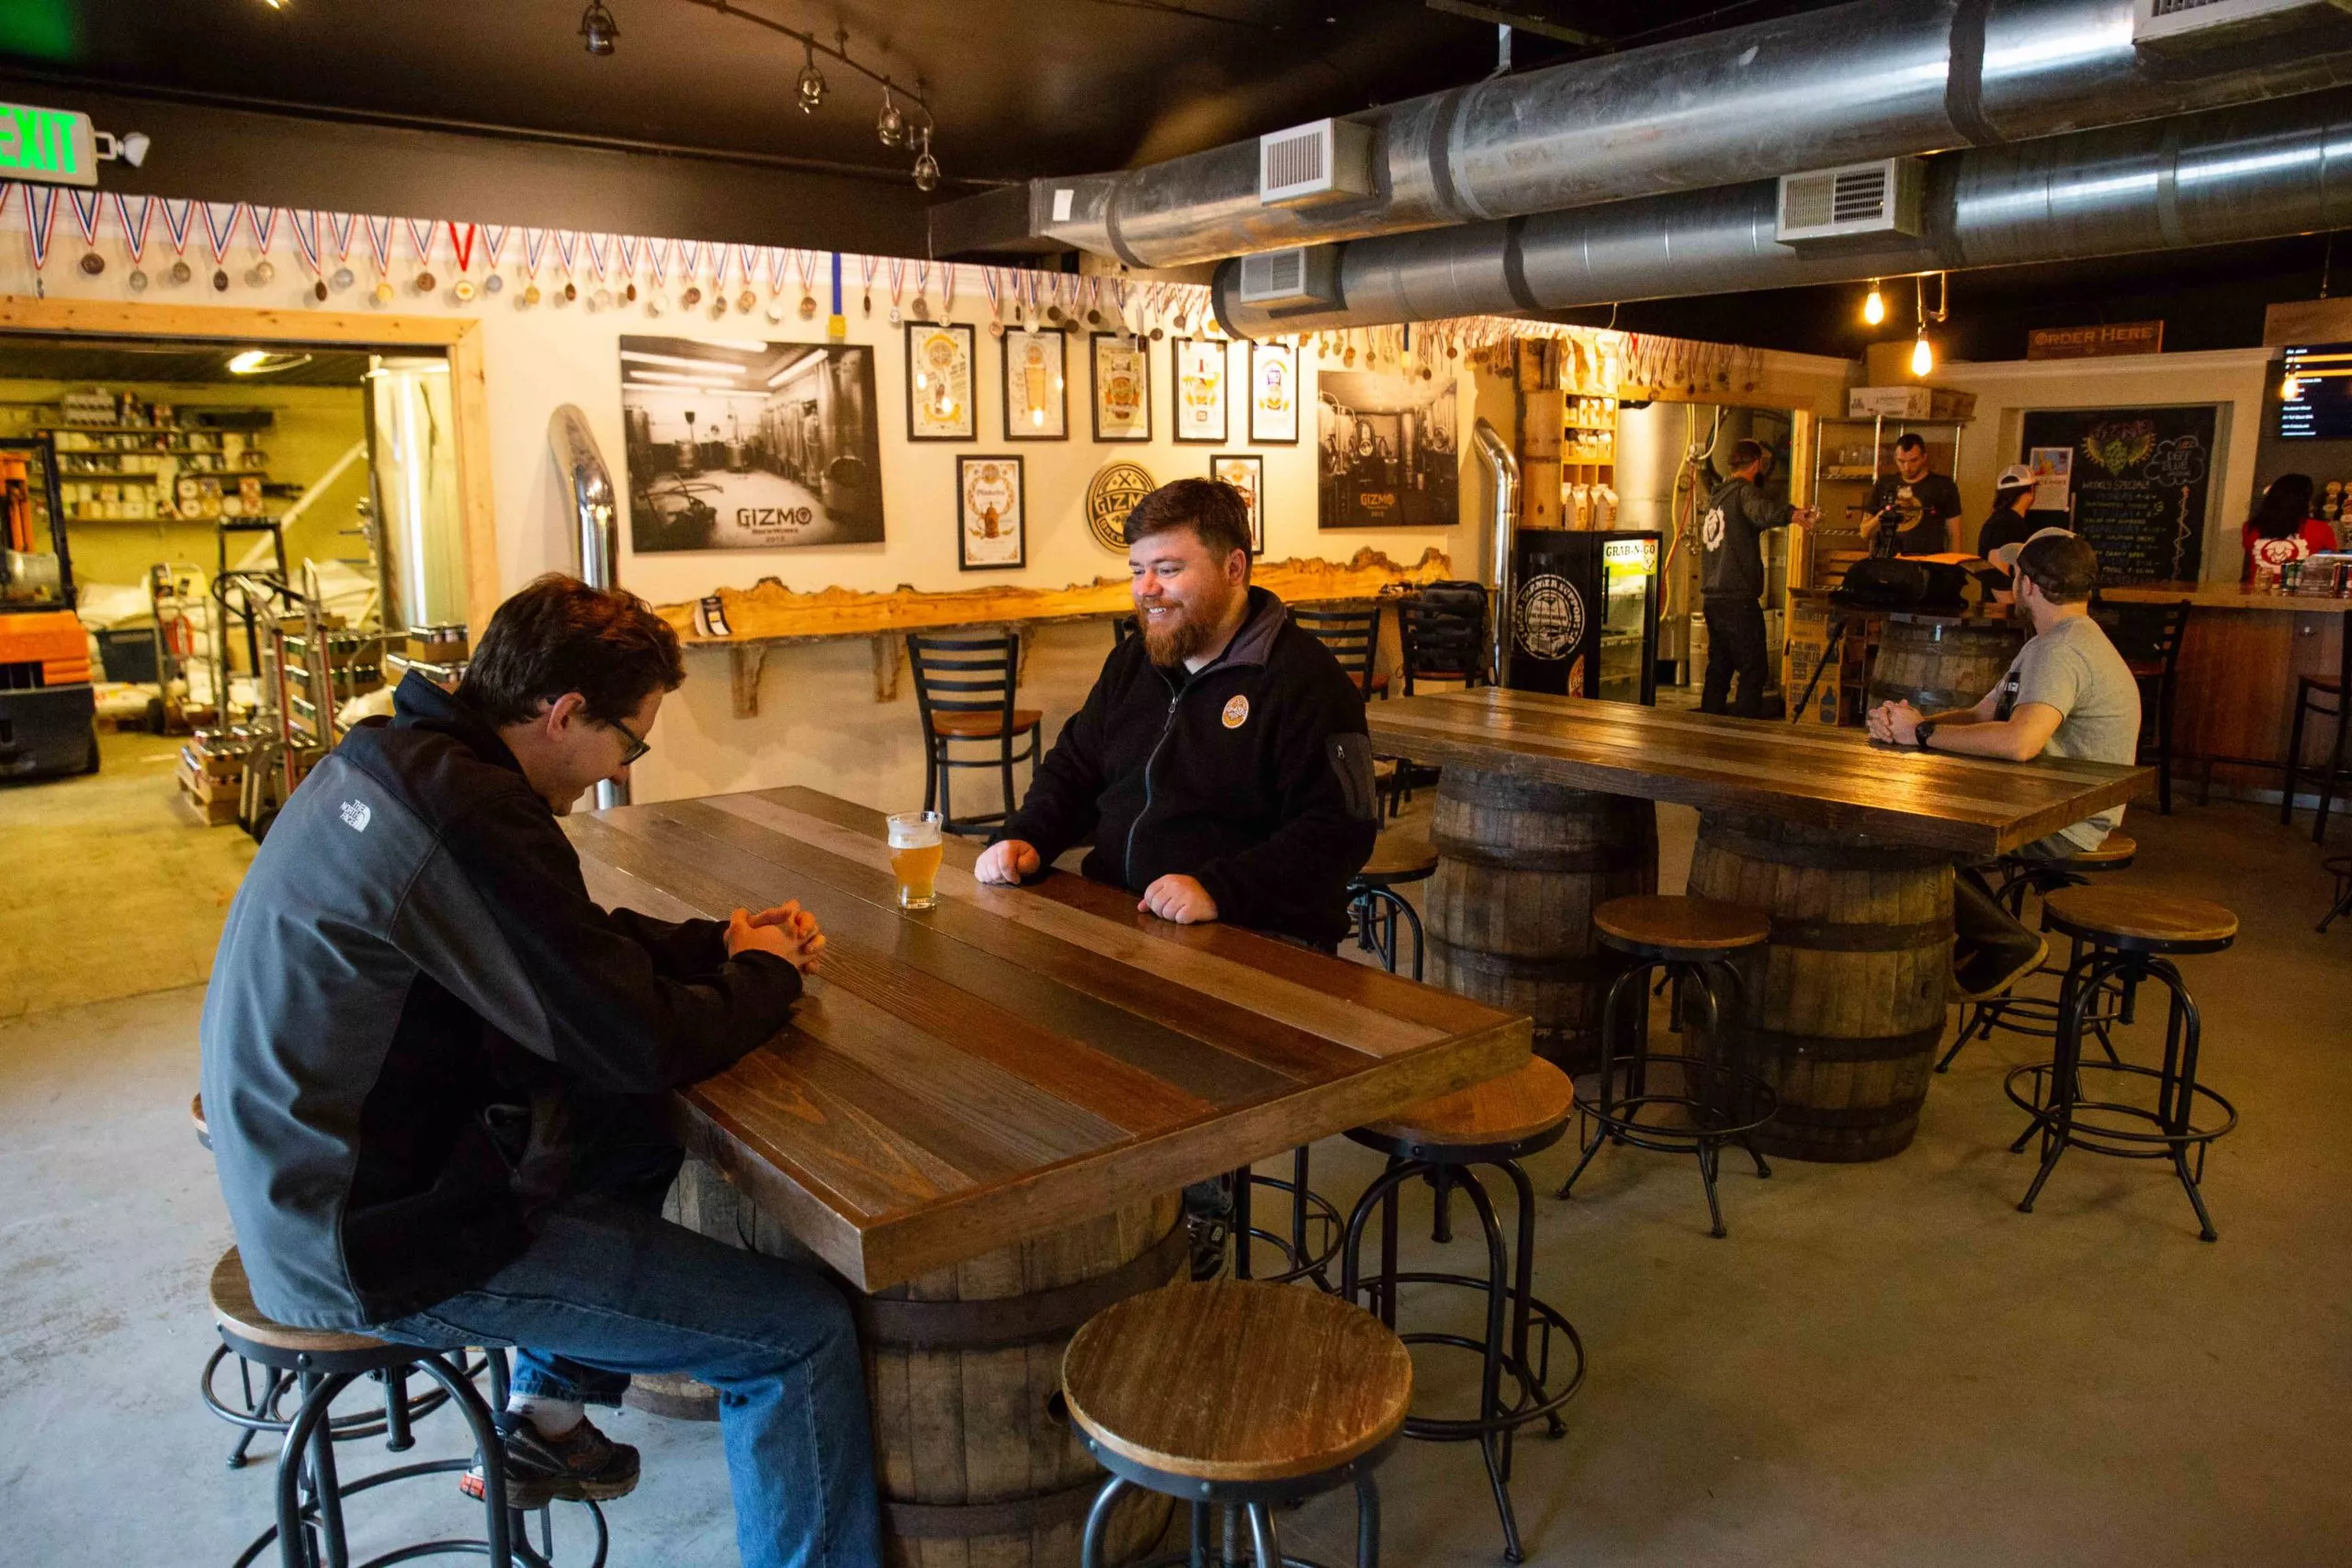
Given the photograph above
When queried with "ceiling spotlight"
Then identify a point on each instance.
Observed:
(891, 127)
(926, 166)
(812, 81)
(1875, 305)
(598, 28)
(262, 362)
(1923, 357)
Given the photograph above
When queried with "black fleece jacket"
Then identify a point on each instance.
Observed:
(1252, 774)
(414, 997)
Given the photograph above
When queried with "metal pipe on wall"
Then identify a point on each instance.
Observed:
(1502, 474)
(1873, 79)
(2248, 173)
(596, 521)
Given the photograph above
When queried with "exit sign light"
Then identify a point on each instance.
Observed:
(53, 146)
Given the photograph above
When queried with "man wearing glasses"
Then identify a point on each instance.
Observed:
(434, 1068)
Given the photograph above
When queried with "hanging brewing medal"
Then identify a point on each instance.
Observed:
(343, 226)
(718, 280)
(1054, 303)
(379, 251)
(219, 232)
(134, 235)
(805, 264)
(261, 272)
(305, 227)
(947, 292)
(865, 265)
(600, 256)
(493, 252)
(657, 256)
(1094, 300)
(628, 245)
(41, 214)
(535, 249)
(898, 282)
(86, 205)
(178, 217)
(1154, 305)
(747, 263)
(922, 288)
(690, 258)
(996, 301)
(425, 239)
(776, 263)
(567, 255)
(461, 246)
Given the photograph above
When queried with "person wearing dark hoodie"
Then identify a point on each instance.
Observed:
(432, 1068)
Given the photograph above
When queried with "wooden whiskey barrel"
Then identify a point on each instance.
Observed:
(1936, 665)
(1521, 865)
(977, 1461)
(1845, 1005)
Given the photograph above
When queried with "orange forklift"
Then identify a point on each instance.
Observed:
(48, 707)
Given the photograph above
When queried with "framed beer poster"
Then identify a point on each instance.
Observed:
(1122, 388)
(1036, 394)
(1246, 471)
(994, 534)
(1274, 393)
(1198, 365)
(939, 383)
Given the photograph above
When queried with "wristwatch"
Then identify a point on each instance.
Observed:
(1920, 732)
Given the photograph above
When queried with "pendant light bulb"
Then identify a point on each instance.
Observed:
(1923, 357)
(1875, 305)
(891, 127)
(926, 166)
(599, 31)
(812, 82)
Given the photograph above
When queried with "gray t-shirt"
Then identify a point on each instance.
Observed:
(2072, 668)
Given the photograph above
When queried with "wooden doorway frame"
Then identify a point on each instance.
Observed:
(457, 336)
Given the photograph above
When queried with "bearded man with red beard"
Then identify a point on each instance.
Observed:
(1221, 764)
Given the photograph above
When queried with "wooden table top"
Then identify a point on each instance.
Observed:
(1837, 779)
(1016, 1060)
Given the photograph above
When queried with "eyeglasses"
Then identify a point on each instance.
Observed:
(637, 747)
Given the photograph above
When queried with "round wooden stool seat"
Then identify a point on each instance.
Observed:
(2117, 849)
(1237, 1381)
(1661, 922)
(2135, 920)
(1397, 857)
(959, 725)
(233, 1310)
(196, 1115)
(1502, 1116)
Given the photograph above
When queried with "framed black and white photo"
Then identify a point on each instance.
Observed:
(1388, 450)
(1036, 384)
(994, 534)
(742, 446)
(1274, 393)
(939, 383)
(1122, 388)
(1246, 471)
(1197, 372)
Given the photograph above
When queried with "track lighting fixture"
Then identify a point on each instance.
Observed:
(1875, 305)
(812, 81)
(597, 29)
(891, 125)
(926, 166)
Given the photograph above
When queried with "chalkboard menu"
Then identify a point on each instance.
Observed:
(2134, 482)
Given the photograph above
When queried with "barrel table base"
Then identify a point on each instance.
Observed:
(1843, 1007)
(977, 1464)
(1508, 915)
(1936, 664)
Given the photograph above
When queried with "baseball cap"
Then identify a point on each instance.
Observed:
(2017, 475)
(2005, 555)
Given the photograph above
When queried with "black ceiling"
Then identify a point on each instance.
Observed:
(1019, 88)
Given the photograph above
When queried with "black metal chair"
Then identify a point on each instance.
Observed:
(1442, 634)
(1353, 637)
(963, 692)
(2149, 637)
(2323, 696)
(1379, 911)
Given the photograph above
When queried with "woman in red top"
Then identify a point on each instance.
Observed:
(2283, 528)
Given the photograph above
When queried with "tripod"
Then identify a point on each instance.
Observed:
(1829, 651)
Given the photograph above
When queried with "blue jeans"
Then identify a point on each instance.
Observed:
(608, 1288)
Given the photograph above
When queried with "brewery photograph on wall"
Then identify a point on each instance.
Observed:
(1150, 784)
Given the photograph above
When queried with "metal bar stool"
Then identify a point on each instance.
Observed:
(2131, 932)
(2324, 696)
(1376, 909)
(1717, 1101)
(1315, 1227)
(1239, 1397)
(1495, 1124)
(2340, 868)
(309, 1531)
(2037, 1016)
(964, 691)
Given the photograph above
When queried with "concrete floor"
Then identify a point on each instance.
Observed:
(1882, 1364)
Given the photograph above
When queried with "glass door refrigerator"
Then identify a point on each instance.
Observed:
(1584, 614)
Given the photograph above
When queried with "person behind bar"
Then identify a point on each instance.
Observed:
(2066, 693)
(2283, 528)
(1738, 514)
(1912, 509)
(434, 1068)
(2012, 499)
(1220, 764)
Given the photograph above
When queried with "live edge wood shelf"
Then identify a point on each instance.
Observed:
(748, 622)
(1017, 1060)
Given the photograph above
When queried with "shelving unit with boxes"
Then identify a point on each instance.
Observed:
(1588, 462)
(123, 460)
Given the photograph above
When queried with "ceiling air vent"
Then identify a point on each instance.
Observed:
(1861, 201)
(2190, 27)
(1328, 161)
(1300, 275)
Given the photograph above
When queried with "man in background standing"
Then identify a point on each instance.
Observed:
(1912, 509)
(1731, 530)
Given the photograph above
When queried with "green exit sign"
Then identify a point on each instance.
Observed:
(54, 146)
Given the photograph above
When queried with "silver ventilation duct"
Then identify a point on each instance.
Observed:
(1874, 79)
(589, 486)
(2252, 173)
(1502, 479)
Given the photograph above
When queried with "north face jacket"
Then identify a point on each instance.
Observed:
(412, 988)
(1252, 774)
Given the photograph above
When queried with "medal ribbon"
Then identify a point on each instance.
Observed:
(306, 239)
(535, 249)
(948, 304)
(988, 281)
(493, 244)
(86, 207)
(341, 226)
(804, 263)
(380, 244)
(462, 245)
(865, 265)
(717, 265)
(178, 215)
(660, 259)
(1095, 294)
(40, 213)
(690, 259)
(923, 281)
(219, 232)
(631, 245)
(898, 280)
(567, 248)
(423, 239)
(747, 262)
(134, 235)
(600, 249)
(264, 228)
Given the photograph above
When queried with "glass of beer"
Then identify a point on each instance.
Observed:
(915, 849)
